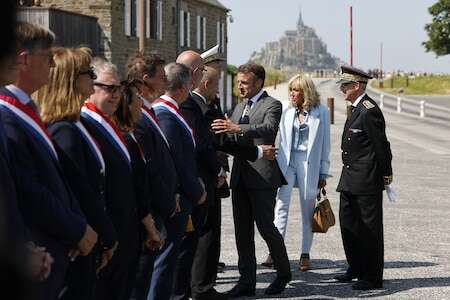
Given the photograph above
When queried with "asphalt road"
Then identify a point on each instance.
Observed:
(417, 238)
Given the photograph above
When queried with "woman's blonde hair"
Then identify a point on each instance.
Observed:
(310, 94)
(60, 99)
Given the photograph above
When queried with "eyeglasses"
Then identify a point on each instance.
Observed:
(90, 72)
(110, 88)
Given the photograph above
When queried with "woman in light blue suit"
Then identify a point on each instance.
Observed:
(303, 157)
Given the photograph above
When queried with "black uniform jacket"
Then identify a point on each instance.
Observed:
(366, 152)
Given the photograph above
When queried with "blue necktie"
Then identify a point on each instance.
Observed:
(245, 118)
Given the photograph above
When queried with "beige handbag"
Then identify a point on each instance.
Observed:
(323, 217)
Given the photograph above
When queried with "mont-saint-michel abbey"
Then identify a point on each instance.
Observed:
(297, 50)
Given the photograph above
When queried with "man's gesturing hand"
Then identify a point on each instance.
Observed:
(225, 126)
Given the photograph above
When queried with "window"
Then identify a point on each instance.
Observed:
(185, 29)
(201, 32)
(221, 36)
(153, 20)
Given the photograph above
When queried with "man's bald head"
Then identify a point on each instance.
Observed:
(194, 61)
(209, 84)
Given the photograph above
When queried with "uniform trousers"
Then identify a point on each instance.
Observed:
(296, 175)
(361, 220)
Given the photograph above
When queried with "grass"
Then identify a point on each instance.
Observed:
(417, 85)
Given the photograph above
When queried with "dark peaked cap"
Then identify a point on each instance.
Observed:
(351, 74)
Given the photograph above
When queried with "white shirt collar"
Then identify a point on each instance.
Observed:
(255, 98)
(167, 98)
(201, 96)
(354, 104)
(19, 93)
(146, 103)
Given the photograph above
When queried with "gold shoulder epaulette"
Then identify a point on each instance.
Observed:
(367, 104)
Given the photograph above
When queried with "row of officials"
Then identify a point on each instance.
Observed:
(111, 189)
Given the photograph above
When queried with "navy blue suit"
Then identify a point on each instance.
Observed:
(48, 207)
(163, 184)
(190, 190)
(122, 207)
(84, 176)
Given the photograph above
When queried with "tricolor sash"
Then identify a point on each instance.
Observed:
(31, 120)
(141, 152)
(92, 145)
(153, 121)
(170, 107)
(110, 130)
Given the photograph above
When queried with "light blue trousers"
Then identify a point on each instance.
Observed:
(296, 172)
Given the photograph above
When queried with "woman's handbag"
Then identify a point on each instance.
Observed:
(323, 217)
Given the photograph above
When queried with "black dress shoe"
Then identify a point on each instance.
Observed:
(277, 286)
(240, 290)
(346, 277)
(211, 294)
(268, 263)
(364, 285)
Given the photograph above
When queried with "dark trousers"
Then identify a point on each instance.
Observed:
(144, 274)
(204, 267)
(182, 283)
(162, 282)
(361, 220)
(116, 280)
(257, 206)
(81, 278)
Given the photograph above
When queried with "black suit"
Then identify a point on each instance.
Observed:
(366, 157)
(122, 207)
(83, 173)
(50, 211)
(197, 246)
(254, 186)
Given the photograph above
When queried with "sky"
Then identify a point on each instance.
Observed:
(397, 24)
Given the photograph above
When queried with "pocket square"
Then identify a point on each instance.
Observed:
(355, 130)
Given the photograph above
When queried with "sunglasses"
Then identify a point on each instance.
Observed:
(90, 72)
(110, 88)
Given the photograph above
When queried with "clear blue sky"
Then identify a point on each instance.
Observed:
(398, 24)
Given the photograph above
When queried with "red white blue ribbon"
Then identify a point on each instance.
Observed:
(92, 145)
(165, 103)
(149, 116)
(104, 121)
(31, 119)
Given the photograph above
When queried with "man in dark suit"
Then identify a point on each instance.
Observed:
(182, 143)
(156, 268)
(254, 184)
(46, 203)
(366, 158)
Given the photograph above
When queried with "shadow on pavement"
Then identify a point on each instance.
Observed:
(322, 286)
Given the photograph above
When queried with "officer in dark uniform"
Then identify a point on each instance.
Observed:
(366, 158)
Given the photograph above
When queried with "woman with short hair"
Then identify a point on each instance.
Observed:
(303, 157)
(60, 101)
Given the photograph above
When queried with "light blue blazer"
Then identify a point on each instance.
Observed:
(318, 154)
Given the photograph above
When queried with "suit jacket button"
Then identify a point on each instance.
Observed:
(348, 139)
(347, 166)
(345, 152)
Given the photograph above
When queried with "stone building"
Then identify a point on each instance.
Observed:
(171, 26)
(299, 49)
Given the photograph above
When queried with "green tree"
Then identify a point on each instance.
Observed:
(439, 29)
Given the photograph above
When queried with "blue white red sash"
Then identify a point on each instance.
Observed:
(164, 103)
(141, 152)
(112, 132)
(30, 119)
(92, 145)
(151, 118)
